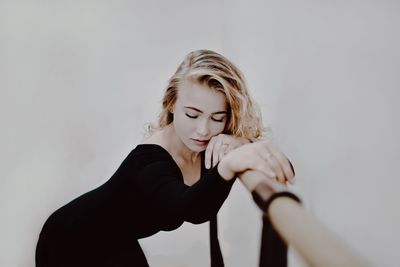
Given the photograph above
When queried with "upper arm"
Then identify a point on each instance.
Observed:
(161, 188)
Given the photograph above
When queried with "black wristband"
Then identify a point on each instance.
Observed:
(264, 204)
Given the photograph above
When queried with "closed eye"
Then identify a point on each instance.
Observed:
(190, 116)
(194, 117)
(221, 120)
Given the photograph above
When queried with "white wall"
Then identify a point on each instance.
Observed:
(327, 73)
(79, 79)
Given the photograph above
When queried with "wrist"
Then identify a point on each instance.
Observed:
(276, 206)
(223, 170)
(264, 197)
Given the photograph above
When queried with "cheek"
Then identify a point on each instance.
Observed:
(183, 124)
(217, 128)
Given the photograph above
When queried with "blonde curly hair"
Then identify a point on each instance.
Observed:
(217, 72)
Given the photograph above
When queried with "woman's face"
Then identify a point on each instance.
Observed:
(199, 114)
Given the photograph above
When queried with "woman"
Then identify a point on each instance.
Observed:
(164, 181)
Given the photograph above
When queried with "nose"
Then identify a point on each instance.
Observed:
(203, 128)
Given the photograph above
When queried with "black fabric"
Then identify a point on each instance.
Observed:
(215, 250)
(145, 195)
(273, 252)
(264, 204)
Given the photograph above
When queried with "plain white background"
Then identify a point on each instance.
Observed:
(79, 79)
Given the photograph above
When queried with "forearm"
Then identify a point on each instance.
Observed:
(296, 226)
(313, 241)
(203, 199)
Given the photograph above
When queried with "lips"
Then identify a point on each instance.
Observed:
(201, 142)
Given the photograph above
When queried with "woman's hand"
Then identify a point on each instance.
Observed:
(256, 181)
(219, 146)
(262, 156)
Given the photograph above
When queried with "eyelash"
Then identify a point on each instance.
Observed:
(194, 117)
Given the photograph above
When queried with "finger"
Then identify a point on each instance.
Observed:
(291, 167)
(209, 150)
(266, 167)
(259, 165)
(231, 146)
(275, 166)
(216, 151)
(273, 185)
(285, 164)
(270, 160)
(222, 152)
(291, 181)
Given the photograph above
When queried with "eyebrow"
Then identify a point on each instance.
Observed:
(198, 110)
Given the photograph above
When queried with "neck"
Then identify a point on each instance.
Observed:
(177, 148)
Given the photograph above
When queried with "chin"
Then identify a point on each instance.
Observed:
(196, 148)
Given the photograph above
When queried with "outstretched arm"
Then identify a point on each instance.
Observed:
(317, 245)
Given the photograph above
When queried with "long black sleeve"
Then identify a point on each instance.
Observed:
(145, 195)
(171, 201)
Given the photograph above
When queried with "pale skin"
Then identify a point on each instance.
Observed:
(200, 116)
(199, 120)
(312, 240)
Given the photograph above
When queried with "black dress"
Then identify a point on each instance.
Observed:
(145, 195)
